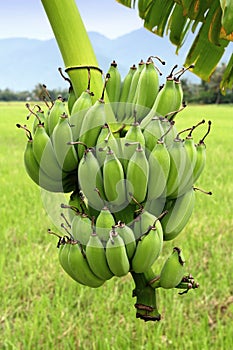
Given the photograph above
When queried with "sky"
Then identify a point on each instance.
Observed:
(27, 18)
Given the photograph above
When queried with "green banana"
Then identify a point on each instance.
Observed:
(155, 206)
(64, 249)
(113, 180)
(45, 154)
(81, 229)
(79, 266)
(134, 135)
(148, 249)
(90, 178)
(39, 177)
(106, 139)
(40, 117)
(57, 110)
(129, 107)
(178, 166)
(164, 102)
(116, 254)
(92, 123)
(191, 151)
(137, 174)
(66, 154)
(179, 212)
(96, 257)
(152, 133)
(79, 110)
(159, 168)
(124, 93)
(170, 131)
(104, 222)
(173, 270)
(166, 99)
(71, 99)
(142, 223)
(201, 156)
(113, 87)
(126, 233)
(147, 89)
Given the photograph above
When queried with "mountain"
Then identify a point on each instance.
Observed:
(27, 62)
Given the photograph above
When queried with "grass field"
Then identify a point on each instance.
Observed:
(42, 308)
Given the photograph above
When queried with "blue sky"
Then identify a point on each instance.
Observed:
(26, 18)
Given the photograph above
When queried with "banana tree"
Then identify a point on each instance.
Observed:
(213, 19)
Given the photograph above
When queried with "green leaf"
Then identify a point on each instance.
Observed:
(177, 17)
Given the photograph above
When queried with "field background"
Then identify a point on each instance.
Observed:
(42, 308)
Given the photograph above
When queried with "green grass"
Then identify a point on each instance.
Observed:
(42, 308)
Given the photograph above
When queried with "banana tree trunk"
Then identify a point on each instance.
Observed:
(74, 44)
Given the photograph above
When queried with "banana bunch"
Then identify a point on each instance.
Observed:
(129, 172)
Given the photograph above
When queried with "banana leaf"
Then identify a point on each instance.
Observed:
(175, 18)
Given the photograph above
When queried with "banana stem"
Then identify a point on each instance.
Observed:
(146, 299)
(74, 44)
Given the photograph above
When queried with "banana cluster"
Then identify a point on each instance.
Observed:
(130, 173)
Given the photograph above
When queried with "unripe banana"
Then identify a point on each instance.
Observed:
(106, 139)
(173, 270)
(40, 117)
(39, 177)
(155, 206)
(170, 132)
(201, 156)
(147, 89)
(164, 102)
(81, 228)
(121, 113)
(152, 133)
(129, 107)
(116, 255)
(79, 266)
(200, 161)
(90, 178)
(148, 249)
(96, 257)
(65, 153)
(179, 91)
(127, 235)
(179, 212)
(166, 99)
(45, 154)
(104, 221)
(142, 223)
(137, 175)
(57, 110)
(71, 99)
(134, 135)
(79, 110)
(178, 163)
(64, 249)
(113, 87)
(159, 168)
(191, 151)
(91, 126)
(113, 179)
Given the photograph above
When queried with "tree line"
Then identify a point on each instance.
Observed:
(202, 93)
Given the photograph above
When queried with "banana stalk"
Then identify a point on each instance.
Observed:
(146, 299)
(74, 44)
